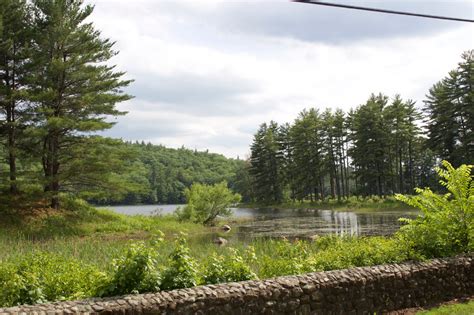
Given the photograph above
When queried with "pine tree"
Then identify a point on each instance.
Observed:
(266, 164)
(307, 140)
(369, 153)
(449, 105)
(75, 89)
(15, 36)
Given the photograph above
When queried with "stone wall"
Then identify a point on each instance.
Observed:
(352, 291)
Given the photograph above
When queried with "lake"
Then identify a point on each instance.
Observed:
(295, 223)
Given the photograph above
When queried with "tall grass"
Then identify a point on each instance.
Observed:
(353, 203)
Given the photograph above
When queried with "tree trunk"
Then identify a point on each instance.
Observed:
(12, 148)
(51, 168)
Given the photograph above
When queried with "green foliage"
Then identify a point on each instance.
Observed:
(230, 267)
(286, 258)
(356, 252)
(44, 277)
(446, 225)
(450, 113)
(182, 271)
(164, 173)
(453, 309)
(206, 202)
(134, 272)
(375, 149)
(266, 163)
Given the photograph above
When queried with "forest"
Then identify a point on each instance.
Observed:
(164, 173)
(382, 147)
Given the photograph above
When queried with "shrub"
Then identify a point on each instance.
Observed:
(206, 202)
(134, 272)
(230, 267)
(286, 258)
(446, 226)
(42, 277)
(19, 287)
(182, 268)
(339, 253)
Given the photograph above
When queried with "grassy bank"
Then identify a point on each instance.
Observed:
(353, 203)
(91, 235)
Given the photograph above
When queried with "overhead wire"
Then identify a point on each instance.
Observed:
(378, 10)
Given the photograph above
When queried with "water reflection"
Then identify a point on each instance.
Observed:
(301, 223)
(306, 224)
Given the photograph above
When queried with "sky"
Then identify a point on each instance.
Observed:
(208, 73)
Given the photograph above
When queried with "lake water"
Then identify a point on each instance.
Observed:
(296, 223)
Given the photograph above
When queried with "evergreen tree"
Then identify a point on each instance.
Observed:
(75, 89)
(402, 118)
(15, 37)
(369, 151)
(266, 163)
(308, 147)
(450, 108)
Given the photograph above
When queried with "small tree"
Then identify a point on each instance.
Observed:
(206, 202)
(447, 224)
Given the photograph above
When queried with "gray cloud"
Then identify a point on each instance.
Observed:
(317, 23)
(129, 128)
(201, 95)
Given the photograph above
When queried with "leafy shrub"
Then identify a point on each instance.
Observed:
(19, 286)
(134, 272)
(182, 269)
(339, 253)
(46, 277)
(206, 202)
(447, 224)
(230, 267)
(286, 258)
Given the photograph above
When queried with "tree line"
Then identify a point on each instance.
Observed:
(163, 174)
(382, 147)
(57, 90)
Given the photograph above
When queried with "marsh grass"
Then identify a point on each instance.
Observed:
(353, 203)
(94, 236)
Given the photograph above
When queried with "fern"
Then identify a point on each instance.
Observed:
(446, 224)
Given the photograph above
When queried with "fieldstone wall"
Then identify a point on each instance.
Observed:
(364, 290)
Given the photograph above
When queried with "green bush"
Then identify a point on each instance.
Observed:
(182, 269)
(285, 258)
(355, 252)
(446, 226)
(231, 267)
(134, 272)
(45, 277)
(19, 286)
(206, 202)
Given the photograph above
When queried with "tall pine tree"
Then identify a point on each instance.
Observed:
(15, 37)
(75, 90)
(450, 108)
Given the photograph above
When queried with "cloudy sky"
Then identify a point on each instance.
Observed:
(207, 73)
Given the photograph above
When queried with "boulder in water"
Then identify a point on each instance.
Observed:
(220, 241)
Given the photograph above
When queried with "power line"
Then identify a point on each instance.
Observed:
(346, 6)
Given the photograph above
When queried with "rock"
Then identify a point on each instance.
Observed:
(226, 228)
(220, 241)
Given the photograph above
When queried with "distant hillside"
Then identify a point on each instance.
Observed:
(166, 172)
